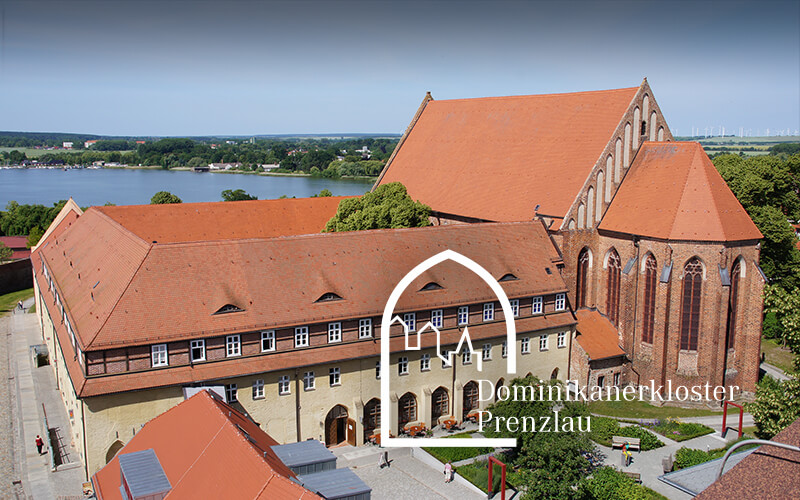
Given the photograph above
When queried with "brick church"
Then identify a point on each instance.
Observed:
(660, 259)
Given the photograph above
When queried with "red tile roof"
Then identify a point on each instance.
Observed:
(597, 335)
(18, 245)
(225, 220)
(768, 472)
(202, 444)
(672, 191)
(496, 158)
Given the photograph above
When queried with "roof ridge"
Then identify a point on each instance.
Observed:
(276, 201)
(125, 230)
(713, 194)
(208, 444)
(684, 189)
(552, 94)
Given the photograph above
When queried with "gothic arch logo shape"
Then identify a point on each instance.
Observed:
(386, 322)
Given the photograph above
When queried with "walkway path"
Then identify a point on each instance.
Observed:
(773, 371)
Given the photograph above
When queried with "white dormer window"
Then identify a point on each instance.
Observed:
(463, 315)
(365, 328)
(515, 307)
(197, 349)
(233, 346)
(488, 312)
(536, 308)
(561, 301)
(410, 319)
(334, 332)
(268, 341)
(301, 336)
(158, 355)
(437, 318)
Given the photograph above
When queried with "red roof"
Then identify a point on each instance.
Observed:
(673, 191)
(18, 245)
(496, 158)
(597, 335)
(208, 449)
(172, 223)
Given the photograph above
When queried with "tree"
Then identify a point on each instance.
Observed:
(164, 198)
(34, 236)
(388, 206)
(786, 306)
(5, 252)
(237, 195)
(777, 405)
(323, 194)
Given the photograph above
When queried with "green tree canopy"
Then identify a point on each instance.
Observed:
(164, 198)
(237, 195)
(34, 236)
(777, 405)
(19, 220)
(388, 206)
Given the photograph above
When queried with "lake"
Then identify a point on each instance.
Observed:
(135, 187)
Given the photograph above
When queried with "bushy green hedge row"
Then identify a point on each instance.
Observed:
(607, 483)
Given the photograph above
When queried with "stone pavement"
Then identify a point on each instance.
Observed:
(34, 391)
(773, 371)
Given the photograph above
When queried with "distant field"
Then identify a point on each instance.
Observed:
(36, 153)
(748, 146)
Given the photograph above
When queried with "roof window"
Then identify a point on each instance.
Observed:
(229, 308)
(508, 277)
(431, 286)
(328, 297)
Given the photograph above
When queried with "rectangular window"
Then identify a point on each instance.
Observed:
(543, 342)
(335, 376)
(378, 370)
(301, 336)
(504, 349)
(258, 389)
(488, 312)
(437, 316)
(284, 386)
(446, 362)
(268, 341)
(536, 308)
(365, 328)
(466, 357)
(158, 355)
(402, 366)
(308, 381)
(463, 315)
(601, 381)
(198, 350)
(515, 307)
(562, 339)
(233, 346)
(425, 362)
(526, 345)
(561, 301)
(334, 332)
(410, 319)
(616, 379)
(487, 352)
(230, 393)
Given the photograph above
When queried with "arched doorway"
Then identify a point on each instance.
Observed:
(113, 449)
(406, 410)
(470, 398)
(554, 375)
(372, 417)
(500, 383)
(336, 426)
(440, 404)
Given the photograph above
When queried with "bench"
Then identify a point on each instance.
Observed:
(619, 441)
(633, 475)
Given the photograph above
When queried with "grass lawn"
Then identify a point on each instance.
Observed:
(686, 457)
(776, 355)
(477, 473)
(445, 455)
(642, 409)
(9, 301)
(679, 431)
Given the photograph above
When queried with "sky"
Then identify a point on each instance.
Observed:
(188, 68)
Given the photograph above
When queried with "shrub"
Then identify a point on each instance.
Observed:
(687, 457)
(607, 483)
(603, 429)
(477, 473)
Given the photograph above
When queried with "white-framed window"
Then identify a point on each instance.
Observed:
(233, 346)
(616, 379)
(334, 332)
(526, 345)
(301, 336)
(258, 389)
(437, 318)
(515, 307)
(562, 339)
(425, 362)
(402, 366)
(504, 349)
(284, 385)
(536, 308)
(488, 312)
(561, 301)
(378, 370)
(466, 357)
(463, 315)
(231, 393)
(308, 381)
(410, 319)
(335, 376)
(365, 328)
(543, 342)
(487, 352)
(198, 350)
(268, 341)
(158, 355)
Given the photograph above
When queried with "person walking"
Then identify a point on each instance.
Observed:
(383, 460)
(39, 444)
(448, 472)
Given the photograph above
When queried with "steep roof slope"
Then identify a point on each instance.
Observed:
(597, 335)
(496, 158)
(673, 191)
(225, 220)
(208, 450)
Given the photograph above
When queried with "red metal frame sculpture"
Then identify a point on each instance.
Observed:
(725, 417)
(493, 461)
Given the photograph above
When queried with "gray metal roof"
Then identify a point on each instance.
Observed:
(336, 483)
(143, 473)
(303, 453)
(693, 480)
